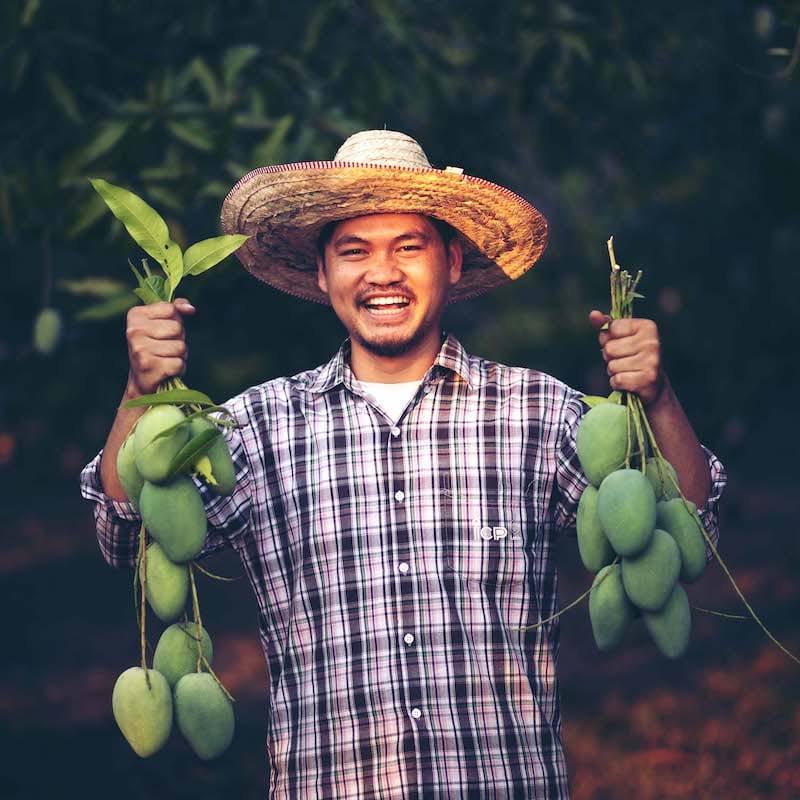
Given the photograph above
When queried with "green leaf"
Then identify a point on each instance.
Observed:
(615, 397)
(112, 307)
(63, 96)
(270, 149)
(173, 266)
(235, 60)
(171, 397)
(202, 73)
(86, 215)
(209, 252)
(191, 133)
(104, 140)
(192, 450)
(593, 400)
(93, 286)
(143, 222)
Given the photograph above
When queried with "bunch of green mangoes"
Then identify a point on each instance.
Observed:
(145, 702)
(637, 533)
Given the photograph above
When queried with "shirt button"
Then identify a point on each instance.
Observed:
(403, 567)
(409, 638)
(416, 713)
(395, 432)
(399, 496)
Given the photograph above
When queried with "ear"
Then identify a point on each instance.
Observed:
(322, 280)
(455, 258)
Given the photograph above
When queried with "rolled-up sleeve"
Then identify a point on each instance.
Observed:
(118, 523)
(709, 513)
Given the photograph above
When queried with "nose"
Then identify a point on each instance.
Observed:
(383, 271)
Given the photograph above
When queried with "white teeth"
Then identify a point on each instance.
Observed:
(387, 301)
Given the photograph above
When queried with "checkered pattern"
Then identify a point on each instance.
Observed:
(394, 567)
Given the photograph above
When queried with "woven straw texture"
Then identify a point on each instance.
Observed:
(284, 208)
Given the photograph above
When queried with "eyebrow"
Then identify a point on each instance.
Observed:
(352, 239)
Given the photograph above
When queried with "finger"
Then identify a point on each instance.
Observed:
(645, 383)
(619, 328)
(169, 348)
(630, 346)
(165, 329)
(598, 318)
(636, 363)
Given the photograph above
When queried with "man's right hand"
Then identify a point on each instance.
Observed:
(156, 344)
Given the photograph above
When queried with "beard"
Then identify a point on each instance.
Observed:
(391, 346)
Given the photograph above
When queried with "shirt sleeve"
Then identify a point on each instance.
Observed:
(570, 480)
(118, 523)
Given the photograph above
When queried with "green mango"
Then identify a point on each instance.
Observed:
(593, 545)
(663, 478)
(167, 586)
(153, 453)
(47, 330)
(602, 440)
(610, 610)
(127, 473)
(204, 714)
(671, 625)
(144, 715)
(174, 515)
(215, 466)
(649, 576)
(682, 524)
(626, 507)
(176, 651)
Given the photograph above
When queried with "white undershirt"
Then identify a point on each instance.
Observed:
(391, 397)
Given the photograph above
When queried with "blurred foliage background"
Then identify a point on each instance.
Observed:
(672, 126)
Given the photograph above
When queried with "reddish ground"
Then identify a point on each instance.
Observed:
(721, 722)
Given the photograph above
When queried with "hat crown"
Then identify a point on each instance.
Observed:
(387, 148)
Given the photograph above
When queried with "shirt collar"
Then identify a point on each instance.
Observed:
(451, 357)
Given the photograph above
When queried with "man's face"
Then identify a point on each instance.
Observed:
(388, 277)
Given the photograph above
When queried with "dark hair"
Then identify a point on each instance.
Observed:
(446, 233)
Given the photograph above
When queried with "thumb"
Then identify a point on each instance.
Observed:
(598, 319)
(184, 306)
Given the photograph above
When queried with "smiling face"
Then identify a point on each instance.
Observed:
(388, 277)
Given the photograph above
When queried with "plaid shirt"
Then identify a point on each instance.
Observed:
(394, 566)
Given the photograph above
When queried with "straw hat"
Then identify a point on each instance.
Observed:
(284, 207)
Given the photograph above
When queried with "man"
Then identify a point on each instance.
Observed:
(403, 651)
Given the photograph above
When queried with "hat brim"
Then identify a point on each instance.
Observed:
(284, 208)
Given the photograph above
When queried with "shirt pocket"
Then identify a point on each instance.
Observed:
(485, 543)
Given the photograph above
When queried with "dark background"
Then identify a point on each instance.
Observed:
(672, 126)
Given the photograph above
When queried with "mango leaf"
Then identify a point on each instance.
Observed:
(235, 60)
(108, 135)
(111, 307)
(193, 133)
(191, 451)
(173, 266)
(205, 77)
(171, 397)
(143, 222)
(93, 286)
(87, 213)
(209, 252)
(63, 96)
(593, 400)
(203, 469)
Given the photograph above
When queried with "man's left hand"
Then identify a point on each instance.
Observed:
(632, 352)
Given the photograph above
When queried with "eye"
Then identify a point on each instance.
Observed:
(353, 251)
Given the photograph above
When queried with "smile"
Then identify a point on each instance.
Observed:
(385, 306)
